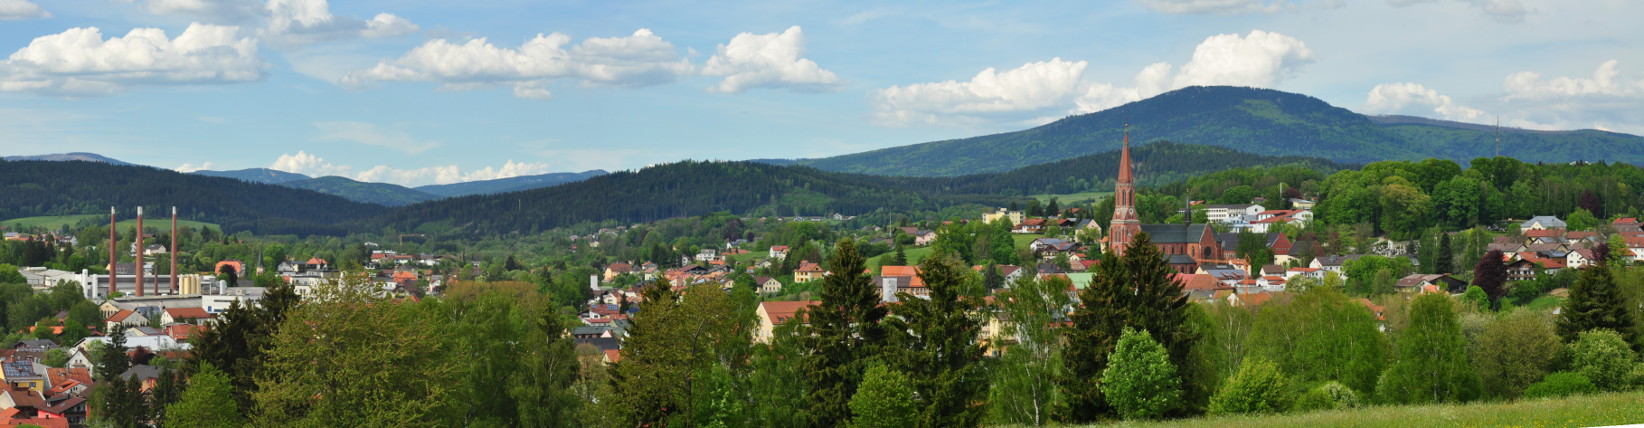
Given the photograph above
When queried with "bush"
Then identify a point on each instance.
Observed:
(1140, 382)
(1329, 396)
(1559, 385)
(1603, 357)
(1258, 387)
(885, 399)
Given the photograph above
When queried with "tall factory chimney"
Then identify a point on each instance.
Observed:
(173, 250)
(113, 256)
(139, 245)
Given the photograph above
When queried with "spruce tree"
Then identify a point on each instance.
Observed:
(936, 342)
(1596, 303)
(843, 336)
(901, 258)
(1446, 255)
(1137, 291)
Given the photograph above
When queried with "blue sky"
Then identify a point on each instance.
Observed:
(421, 92)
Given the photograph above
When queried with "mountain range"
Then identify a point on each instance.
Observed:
(395, 195)
(1258, 121)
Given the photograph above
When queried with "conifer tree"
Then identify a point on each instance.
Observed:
(1596, 303)
(1446, 255)
(935, 342)
(843, 336)
(1136, 291)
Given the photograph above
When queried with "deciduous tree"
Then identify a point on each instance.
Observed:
(1432, 358)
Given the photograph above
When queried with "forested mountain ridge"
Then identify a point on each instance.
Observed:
(690, 188)
(374, 193)
(257, 175)
(73, 156)
(38, 188)
(1257, 121)
(510, 184)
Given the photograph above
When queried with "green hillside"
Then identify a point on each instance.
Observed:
(57, 222)
(1256, 121)
(42, 188)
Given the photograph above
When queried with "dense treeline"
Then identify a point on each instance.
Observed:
(41, 188)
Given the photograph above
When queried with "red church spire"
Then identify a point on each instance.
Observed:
(1125, 224)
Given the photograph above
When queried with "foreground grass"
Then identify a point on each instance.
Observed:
(1589, 410)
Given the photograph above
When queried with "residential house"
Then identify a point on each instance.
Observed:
(1301, 204)
(770, 314)
(1333, 263)
(1015, 217)
(28, 374)
(707, 255)
(1030, 226)
(25, 406)
(1580, 258)
(1542, 222)
(1009, 272)
(617, 269)
(1200, 287)
(185, 315)
(779, 252)
(1416, 282)
(126, 317)
(767, 285)
(1306, 272)
(808, 272)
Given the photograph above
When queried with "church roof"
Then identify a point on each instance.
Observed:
(1174, 233)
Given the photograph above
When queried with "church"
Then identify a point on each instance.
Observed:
(1186, 245)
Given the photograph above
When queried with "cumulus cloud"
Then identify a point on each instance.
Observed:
(1033, 86)
(315, 166)
(1504, 11)
(79, 62)
(1258, 59)
(1605, 81)
(16, 10)
(640, 59)
(1040, 91)
(371, 134)
(297, 22)
(771, 60)
(1414, 98)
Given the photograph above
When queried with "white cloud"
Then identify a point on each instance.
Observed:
(636, 60)
(315, 166)
(1504, 11)
(371, 134)
(307, 164)
(771, 60)
(1038, 92)
(1258, 59)
(16, 10)
(79, 61)
(1031, 87)
(1414, 98)
(298, 22)
(189, 167)
(1605, 81)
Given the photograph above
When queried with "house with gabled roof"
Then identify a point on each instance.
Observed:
(771, 314)
(808, 272)
(1543, 222)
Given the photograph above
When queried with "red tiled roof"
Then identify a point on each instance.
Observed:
(121, 316)
(780, 312)
(908, 271)
(315, 261)
(1198, 282)
(185, 313)
(805, 266)
(1543, 233)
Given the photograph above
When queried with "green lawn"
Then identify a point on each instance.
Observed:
(751, 255)
(58, 221)
(915, 254)
(1545, 302)
(1591, 410)
(1072, 198)
(1022, 240)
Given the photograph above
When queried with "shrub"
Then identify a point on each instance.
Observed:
(885, 399)
(1603, 357)
(1559, 385)
(1329, 396)
(1258, 387)
(1139, 380)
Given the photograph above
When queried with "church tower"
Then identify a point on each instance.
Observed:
(1125, 224)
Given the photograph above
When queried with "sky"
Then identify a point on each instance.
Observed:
(418, 92)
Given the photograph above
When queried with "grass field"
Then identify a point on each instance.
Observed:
(752, 255)
(915, 254)
(1072, 198)
(1545, 302)
(1590, 410)
(58, 221)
